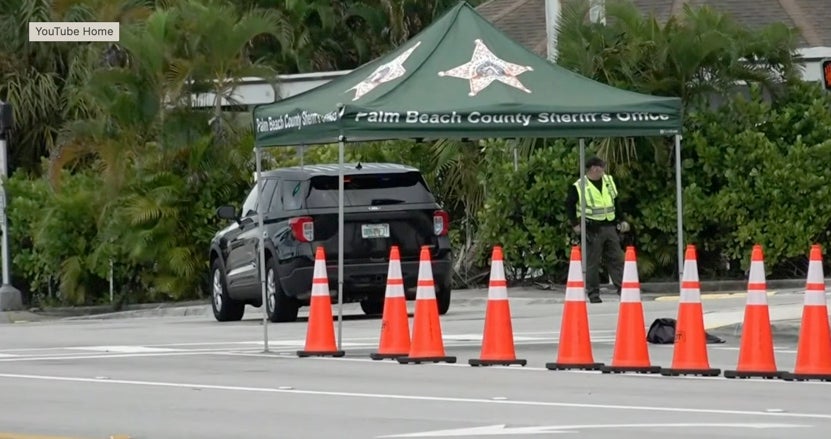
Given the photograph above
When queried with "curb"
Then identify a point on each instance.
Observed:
(164, 311)
(7, 317)
(782, 329)
(655, 291)
(729, 285)
(478, 296)
(712, 296)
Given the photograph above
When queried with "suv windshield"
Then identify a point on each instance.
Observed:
(369, 190)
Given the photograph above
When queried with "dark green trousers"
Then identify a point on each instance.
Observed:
(602, 241)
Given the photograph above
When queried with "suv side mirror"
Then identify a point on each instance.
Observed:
(227, 212)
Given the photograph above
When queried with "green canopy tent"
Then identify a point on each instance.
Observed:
(461, 78)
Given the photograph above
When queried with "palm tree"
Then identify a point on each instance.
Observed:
(405, 18)
(155, 155)
(216, 62)
(42, 80)
(696, 55)
(700, 55)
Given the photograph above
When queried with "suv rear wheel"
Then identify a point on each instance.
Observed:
(372, 307)
(280, 308)
(225, 308)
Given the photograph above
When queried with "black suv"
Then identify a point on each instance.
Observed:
(384, 205)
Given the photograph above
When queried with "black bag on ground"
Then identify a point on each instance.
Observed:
(662, 331)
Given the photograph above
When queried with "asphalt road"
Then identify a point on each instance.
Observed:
(191, 377)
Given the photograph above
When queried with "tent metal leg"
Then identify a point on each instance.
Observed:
(340, 242)
(583, 205)
(261, 232)
(680, 212)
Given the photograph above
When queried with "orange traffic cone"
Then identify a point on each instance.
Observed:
(498, 335)
(631, 353)
(756, 357)
(395, 329)
(575, 347)
(813, 354)
(690, 351)
(320, 332)
(427, 344)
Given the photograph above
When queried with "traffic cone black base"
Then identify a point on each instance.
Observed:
(624, 369)
(788, 376)
(478, 362)
(335, 353)
(753, 374)
(419, 360)
(572, 366)
(668, 372)
(377, 356)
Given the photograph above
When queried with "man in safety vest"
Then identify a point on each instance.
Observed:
(602, 225)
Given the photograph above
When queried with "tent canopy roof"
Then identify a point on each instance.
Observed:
(462, 78)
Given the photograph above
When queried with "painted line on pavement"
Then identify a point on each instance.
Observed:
(290, 355)
(402, 397)
(597, 335)
(124, 349)
(4, 435)
(712, 296)
(105, 356)
(504, 430)
(777, 350)
(136, 351)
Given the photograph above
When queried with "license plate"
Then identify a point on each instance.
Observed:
(370, 231)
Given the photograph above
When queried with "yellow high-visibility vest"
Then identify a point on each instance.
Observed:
(600, 206)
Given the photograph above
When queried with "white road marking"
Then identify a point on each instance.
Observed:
(503, 430)
(390, 396)
(597, 334)
(277, 354)
(777, 350)
(114, 355)
(478, 337)
(279, 345)
(124, 349)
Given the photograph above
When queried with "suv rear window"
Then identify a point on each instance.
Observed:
(369, 190)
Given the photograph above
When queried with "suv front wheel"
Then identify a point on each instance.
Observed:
(280, 308)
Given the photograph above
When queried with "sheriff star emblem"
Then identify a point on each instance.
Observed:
(384, 73)
(484, 67)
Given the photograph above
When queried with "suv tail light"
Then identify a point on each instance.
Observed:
(441, 223)
(303, 228)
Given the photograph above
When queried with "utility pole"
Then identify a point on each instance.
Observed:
(10, 297)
